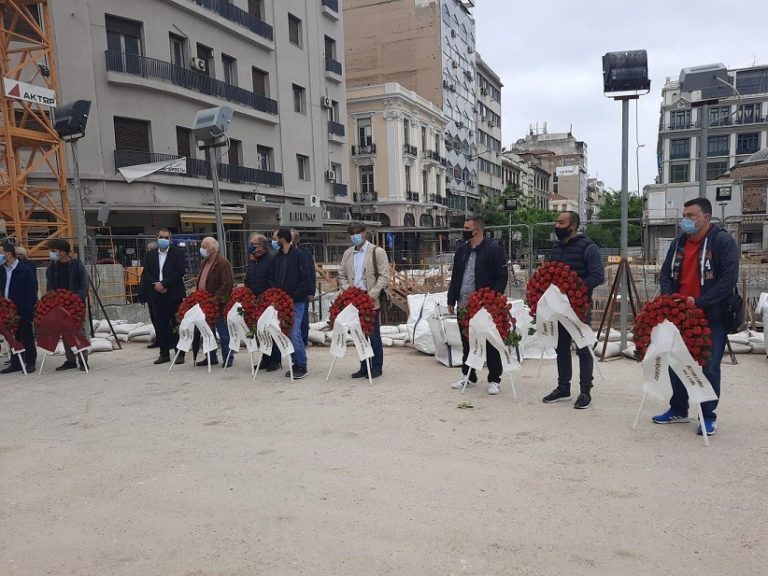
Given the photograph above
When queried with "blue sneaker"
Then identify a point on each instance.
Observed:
(710, 425)
(669, 417)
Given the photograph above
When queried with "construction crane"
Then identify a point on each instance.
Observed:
(34, 204)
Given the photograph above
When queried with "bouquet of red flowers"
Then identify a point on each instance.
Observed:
(282, 303)
(498, 307)
(360, 299)
(249, 303)
(68, 301)
(689, 319)
(566, 279)
(9, 315)
(210, 305)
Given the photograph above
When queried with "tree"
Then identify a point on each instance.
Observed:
(608, 235)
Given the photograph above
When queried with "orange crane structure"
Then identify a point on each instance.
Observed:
(34, 202)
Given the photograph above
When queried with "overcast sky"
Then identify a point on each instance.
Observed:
(549, 54)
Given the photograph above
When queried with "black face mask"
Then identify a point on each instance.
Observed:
(562, 233)
(467, 235)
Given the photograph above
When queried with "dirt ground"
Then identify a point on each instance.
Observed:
(133, 471)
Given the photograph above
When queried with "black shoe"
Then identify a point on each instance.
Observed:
(273, 367)
(163, 359)
(11, 369)
(204, 362)
(362, 373)
(67, 366)
(153, 345)
(299, 372)
(180, 358)
(583, 401)
(376, 373)
(229, 363)
(557, 395)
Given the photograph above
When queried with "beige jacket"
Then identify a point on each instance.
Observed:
(373, 284)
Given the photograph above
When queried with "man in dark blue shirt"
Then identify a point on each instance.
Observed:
(257, 280)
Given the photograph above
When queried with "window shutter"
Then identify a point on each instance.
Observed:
(132, 134)
(123, 26)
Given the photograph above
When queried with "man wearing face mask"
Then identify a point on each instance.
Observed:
(19, 284)
(290, 274)
(702, 265)
(257, 279)
(163, 281)
(366, 266)
(478, 263)
(309, 264)
(583, 256)
(67, 273)
(216, 277)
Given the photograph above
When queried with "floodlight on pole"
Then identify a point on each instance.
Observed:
(625, 78)
(209, 127)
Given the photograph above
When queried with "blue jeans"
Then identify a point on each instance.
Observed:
(299, 352)
(679, 400)
(223, 331)
(377, 362)
(305, 325)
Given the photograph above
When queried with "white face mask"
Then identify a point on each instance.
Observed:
(203, 252)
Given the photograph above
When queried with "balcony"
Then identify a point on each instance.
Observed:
(330, 8)
(412, 196)
(369, 150)
(366, 197)
(196, 168)
(745, 121)
(185, 78)
(410, 150)
(336, 131)
(432, 156)
(333, 69)
(340, 190)
(239, 16)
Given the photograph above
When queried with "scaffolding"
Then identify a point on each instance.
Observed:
(33, 183)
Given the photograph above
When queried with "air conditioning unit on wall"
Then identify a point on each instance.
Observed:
(326, 102)
(199, 64)
(330, 175)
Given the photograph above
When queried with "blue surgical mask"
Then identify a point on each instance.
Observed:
(357, 239)
(2, 259)
(688, 226)
(54, 256)
(203, 252)
(251, 249)
(163, 243)
(275, 245)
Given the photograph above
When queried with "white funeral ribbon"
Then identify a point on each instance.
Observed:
(348, 323)
(269, 334)
(238, 331)
(195, 318)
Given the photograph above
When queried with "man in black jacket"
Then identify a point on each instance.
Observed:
(18, 281)
(257, 279)
(290, 274)
(163, 280)
(67, 273)
(583, 256)
(309, 263)
(479, 263)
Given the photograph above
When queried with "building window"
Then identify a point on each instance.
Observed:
(256, 8)
(131, 134)
(294, 30)
(719, 115)
(366, 179)
(264, 158)
(364, 132)
(124, 36)
(336, 169)
(229, 68)
(717, 145)
(235, 152)
(406, 131)
(748, 114)
(303, 165)
(679, 119)
(260, 82)
(678, 173)
(715, 169)
(748, 143)
(407, 178)
(424, 138)
(178, 50)
(330, 48)
(680, 148)
(299, 99)
(424, 183)
(333, 111)
(184, 142)
(205, 54)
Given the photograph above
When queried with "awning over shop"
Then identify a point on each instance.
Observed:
(209, 218)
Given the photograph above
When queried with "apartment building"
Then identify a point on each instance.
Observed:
(148, 66)
(488, 87)
(397, 158)
(529, 177)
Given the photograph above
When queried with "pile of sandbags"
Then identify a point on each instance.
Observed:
(320, 335)
(747, 342)
(104, 340)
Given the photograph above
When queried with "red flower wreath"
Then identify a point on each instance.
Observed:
(210, 305)
(249, 303)
(282, 303)
(9, 315)
(689, 319)
(498, 307)
(60, 298)
(566, 279)
(362, 301)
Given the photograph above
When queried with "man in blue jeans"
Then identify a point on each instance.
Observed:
(702, 265)
(290, 274)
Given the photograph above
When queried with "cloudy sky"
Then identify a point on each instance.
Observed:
(549, 56)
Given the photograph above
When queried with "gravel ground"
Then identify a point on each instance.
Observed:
(133, 471)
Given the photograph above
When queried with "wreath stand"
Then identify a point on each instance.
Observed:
(623, 277)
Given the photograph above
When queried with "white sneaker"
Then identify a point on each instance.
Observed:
(494, 388)
(459, 384)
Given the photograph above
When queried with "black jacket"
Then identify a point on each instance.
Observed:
(173, 274)
(257, 276)
(309, 264)
(290, 273)
(490, 268)
(23, 289)
(78, 278)
(584, 258)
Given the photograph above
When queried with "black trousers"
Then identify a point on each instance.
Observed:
(164, 320)
(493, 359)
(565, 367)
(26, 335)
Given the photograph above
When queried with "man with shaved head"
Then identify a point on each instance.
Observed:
(257, 279)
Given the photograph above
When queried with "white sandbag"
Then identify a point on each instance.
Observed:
(421, 307)
(740, 338)
(739, 348)
(122, 337)
(615, 336)
(101, 345)
(399, 336)
(399, 343)
(402, 328)
(145, 338)
(629, 351)
(141, 330)
(316, 336)
(386, 341)
(446, 336)
(319, 326)
(612, 350)
(389, 330)
(758, 344)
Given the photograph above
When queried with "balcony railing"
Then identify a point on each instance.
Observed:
(369, 150)
(681, 126)
(185, 78)
(239, 16)
(410, 149)
(434, 156)
(412, 196)
(336, 128)
(366, 196)
(339, 189)
(332, 65)
(332, 4)
(751, 120)
(197, 168)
